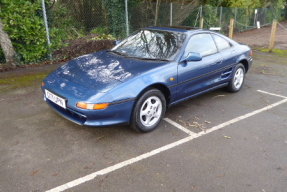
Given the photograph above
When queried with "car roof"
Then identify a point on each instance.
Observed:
(183, 29)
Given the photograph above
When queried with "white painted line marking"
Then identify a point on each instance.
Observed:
(180, 127)
(119, 165)
(159, 150)
(232, 121)
(272, 94)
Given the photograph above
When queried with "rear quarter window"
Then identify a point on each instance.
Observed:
(221, 43)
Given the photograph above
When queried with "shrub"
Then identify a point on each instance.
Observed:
(24, 24)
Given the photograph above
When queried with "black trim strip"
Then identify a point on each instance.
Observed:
(198, 77)
(122, 101)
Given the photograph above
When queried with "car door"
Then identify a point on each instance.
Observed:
(195, 77)
(228, 53)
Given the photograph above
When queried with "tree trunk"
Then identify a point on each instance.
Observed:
(7, 47)
(156, 12)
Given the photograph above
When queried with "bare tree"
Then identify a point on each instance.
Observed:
(181, 10)
(7, 47)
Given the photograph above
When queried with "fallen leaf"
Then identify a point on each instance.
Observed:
(55, 174)
(33, 173)
(181, 121)
(227, 137)
(87, 167)
(100, 137)
(100, 182)
(219, 96)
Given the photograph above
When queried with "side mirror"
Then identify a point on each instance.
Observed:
(116, 42)
(192, 57)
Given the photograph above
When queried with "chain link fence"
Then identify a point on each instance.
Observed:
(282, 35)
(285, 28)
(83, 17)
(72, 19)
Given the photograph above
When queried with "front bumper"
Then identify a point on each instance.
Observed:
(118, 113)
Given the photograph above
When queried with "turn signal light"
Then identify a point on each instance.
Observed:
(251, 52)
(42, 84)
(91, 106)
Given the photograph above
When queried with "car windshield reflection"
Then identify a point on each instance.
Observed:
(152, 45)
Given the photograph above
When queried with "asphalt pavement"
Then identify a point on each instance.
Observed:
(218, 141)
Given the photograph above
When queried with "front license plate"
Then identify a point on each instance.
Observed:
(55, 99)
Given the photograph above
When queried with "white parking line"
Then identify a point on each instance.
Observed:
(164, 148)
(272, 94)
(119, 165)
(180, 127)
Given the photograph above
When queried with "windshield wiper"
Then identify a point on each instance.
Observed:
(119, 53)
(152, 59)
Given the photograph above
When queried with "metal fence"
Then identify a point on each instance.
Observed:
(119, 18)
(70, 19)
(280, 25)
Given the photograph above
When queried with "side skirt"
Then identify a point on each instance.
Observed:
(197, 94)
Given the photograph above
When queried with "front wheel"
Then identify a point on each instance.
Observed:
(237, 79)
(148, 111)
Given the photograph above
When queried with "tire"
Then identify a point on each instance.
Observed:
(237, 79)
(148, 111)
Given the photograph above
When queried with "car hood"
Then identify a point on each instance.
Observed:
(104, 70)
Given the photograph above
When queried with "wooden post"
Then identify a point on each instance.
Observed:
(231, 26)
(272, 36)
(201, 22)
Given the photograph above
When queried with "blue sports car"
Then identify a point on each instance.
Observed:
(137, 80)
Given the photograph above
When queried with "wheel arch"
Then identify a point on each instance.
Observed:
(244, 62)
(161, 87)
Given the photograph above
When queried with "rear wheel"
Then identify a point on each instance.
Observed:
(237, 79)
(148, 111)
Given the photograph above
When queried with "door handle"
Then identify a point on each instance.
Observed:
(218, 62)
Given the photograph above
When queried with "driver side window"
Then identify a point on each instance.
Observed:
(202, 44)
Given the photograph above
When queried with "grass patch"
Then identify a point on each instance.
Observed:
(278, 52)
(12, 82)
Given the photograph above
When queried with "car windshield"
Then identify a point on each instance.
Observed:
(151, 44)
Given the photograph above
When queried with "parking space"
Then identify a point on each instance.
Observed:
(249, 161)
(216, 107)
(216, 142)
